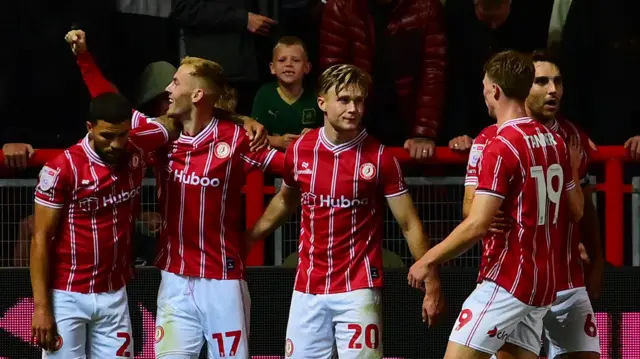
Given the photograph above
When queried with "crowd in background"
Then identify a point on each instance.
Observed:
(425, 56)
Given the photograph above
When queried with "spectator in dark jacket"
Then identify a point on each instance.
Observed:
(401, 43)
(225, 31)
(477, 29)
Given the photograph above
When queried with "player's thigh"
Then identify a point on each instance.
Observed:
(178, 327)
(110, 334)
(357, 317)
(72, 313)
(488, 317)
(570, 326)
(309, 330)
(226, 319)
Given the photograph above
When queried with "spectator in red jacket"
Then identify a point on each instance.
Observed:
(401, 43)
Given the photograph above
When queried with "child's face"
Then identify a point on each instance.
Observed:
(289, 64)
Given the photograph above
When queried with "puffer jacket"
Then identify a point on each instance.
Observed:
(418, 57)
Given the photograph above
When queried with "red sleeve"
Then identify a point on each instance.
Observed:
(54, 183)
(430, 97)
(92, 76)
(288, 175)
(479, 143)
(259, 160)
(391, 174)
(497, 168)
(565, 162)
(148, 137)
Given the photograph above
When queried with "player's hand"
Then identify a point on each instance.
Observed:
(17, 155)
(77, 40)
(633, 146)
(461, 143)
(594, 274)
(500, 224)
(259, 24)
(420, 148)
(305, 130)
(43, 328)
(256, 133)
(433, 304)
(418, 272)
(575, 152)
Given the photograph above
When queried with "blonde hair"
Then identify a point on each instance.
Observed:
(513, 72)
(210, 72)
(228, 99)
(340, 77)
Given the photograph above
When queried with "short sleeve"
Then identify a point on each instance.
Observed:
(260, 159)
(391, 175)
(496, 169)
(54, 183)
(288, 175)
(149, 137)
(471, 177)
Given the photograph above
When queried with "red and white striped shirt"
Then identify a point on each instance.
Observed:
(527, 165)
(570, 274)
(479, 143)
(99, 203)
(343, 191)
(200, 199)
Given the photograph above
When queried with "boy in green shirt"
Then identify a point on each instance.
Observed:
(284, 108)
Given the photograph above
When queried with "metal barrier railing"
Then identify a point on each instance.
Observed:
(613, 187)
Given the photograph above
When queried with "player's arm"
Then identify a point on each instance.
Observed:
(45, 224)
(465, 235)
(43, 325)
(171, 125)
(94, 79)
(405, 213)
(590, 229)
(469, 194)
(51, 195)
(280, 208)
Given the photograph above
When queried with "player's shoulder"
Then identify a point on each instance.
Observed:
(63, 163)
(489, 131)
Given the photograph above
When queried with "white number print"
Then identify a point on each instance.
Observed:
(546, 190)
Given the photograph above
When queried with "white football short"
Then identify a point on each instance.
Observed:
(570, 325)
(94, 325)
(490, 315)
(193, 310)
(350, 322)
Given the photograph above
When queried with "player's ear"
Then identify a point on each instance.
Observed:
(272, 68)
(322, 104)
(307, 67)
(197, 95)
(89, 126)
(497, 92)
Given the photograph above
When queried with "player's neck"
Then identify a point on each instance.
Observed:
(338, 138)
(510, 111)
(196, 121)
(290, 92)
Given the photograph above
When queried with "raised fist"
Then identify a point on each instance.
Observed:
(77, 40)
